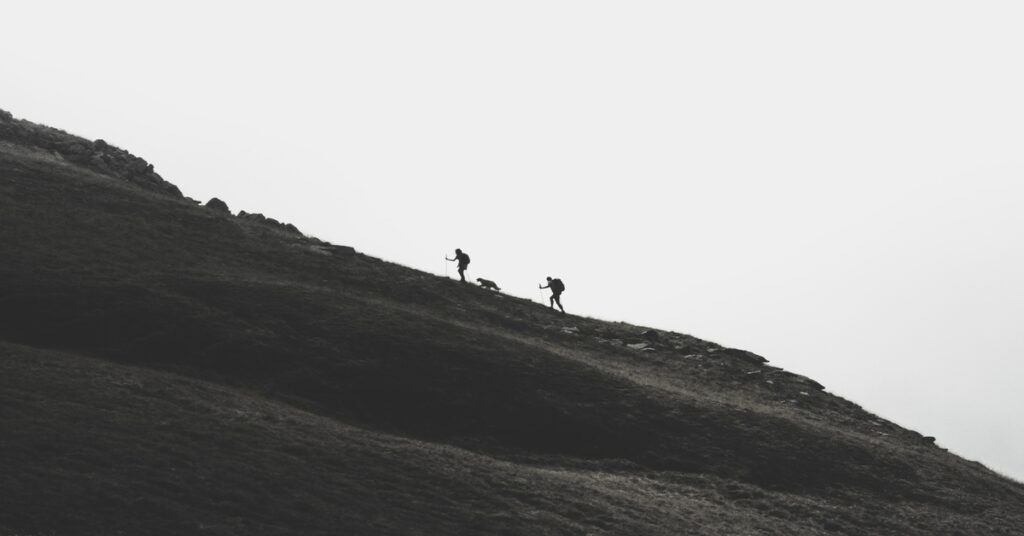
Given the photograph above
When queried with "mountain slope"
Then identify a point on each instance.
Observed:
(172, 368)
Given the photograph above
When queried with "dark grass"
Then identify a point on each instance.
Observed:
(171, 369)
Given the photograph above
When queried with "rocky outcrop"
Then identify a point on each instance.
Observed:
(271, 222)
(101, 157)
(98, 156)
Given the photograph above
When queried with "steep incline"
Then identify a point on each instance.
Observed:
(172, 368)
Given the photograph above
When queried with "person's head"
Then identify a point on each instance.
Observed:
(549, 278)
(457, 250)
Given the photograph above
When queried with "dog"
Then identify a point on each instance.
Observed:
(485, 283)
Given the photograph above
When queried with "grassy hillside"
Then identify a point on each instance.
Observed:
(170, 368)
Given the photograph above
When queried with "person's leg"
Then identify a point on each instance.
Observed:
(552, 300)
(462, 275)
(558, 300)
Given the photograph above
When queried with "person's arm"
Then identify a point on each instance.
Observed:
(545, 286)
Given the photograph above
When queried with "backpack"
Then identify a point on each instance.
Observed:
(557, 285)
(464, 259)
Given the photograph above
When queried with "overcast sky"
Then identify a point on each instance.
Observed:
(835, 186)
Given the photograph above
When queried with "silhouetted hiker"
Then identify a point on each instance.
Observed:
(463, 262)
(557, 288)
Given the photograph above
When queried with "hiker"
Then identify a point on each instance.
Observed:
(557, 288)
(463, 263)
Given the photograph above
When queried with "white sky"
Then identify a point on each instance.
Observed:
(836, 186)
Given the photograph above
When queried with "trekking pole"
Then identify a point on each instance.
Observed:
(446, 267)
(540, 291)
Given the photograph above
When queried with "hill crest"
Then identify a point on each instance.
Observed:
(216, 353)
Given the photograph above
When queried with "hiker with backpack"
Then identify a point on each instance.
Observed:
(463, 262)
(557, 288)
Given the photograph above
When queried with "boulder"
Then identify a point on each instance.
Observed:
(803, 381)
(218, 205)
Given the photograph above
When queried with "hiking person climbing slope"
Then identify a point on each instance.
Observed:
(557, 288)
(463, 262)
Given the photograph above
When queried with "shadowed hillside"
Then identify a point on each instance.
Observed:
(171, 368)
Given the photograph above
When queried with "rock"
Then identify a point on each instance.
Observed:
(166, 187)
(98, 162)
(138, 167)
(77, 152)
(260, 218)
(252, 216)
(796, 381)
(218, 205)
(928, 439)
(571, 330)
(811, 383)
(638, 346)
(342, 251)
(742, 354)
(650, 335)
(687, 349)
